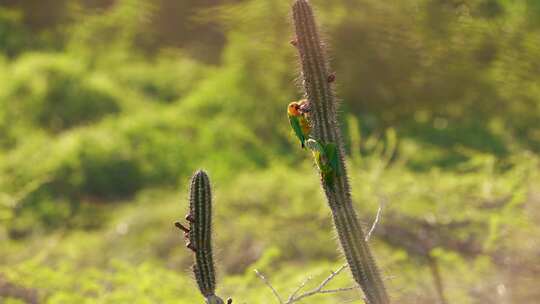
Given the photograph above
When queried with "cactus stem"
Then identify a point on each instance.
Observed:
(325, 131)
(199, 235)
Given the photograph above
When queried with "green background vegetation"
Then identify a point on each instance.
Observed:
(107, 107)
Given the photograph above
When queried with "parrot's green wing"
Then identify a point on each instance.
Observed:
(295, 124)
(332, 155)
(325, 158)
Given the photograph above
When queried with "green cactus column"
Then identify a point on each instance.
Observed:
(199, 236)
(317, 83)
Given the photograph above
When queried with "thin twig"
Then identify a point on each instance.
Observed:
(317, 291)
(293, 295)
(320, 289)
(332, 275)
(375, 222)
(274, 291)
(338, 289)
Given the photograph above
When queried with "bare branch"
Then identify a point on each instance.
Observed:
(320, 289)
(375, 222)
(293, 295)
(338, 289)
(274, 291)
(332, 275)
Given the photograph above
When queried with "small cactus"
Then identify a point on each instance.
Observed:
(317, 84)
(199, 236)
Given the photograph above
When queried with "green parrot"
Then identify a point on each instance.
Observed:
(297, 111)
(326, 158)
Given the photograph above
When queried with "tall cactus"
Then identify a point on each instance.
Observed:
(199, 236)
(317, 83)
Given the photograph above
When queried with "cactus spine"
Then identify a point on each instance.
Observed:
(199, 235)
(317, 83)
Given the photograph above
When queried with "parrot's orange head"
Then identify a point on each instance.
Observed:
(294, 109)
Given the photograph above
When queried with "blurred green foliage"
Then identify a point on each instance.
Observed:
(107, 107)
(55, 92)
(14, 36)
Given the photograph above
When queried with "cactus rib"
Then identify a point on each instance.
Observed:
(325, 129)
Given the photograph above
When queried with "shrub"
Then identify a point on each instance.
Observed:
(13, 35)
(117, 158)
(166, 80)
(57, 92)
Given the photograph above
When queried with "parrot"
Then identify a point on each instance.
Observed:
(297, 111)
(326, 159)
